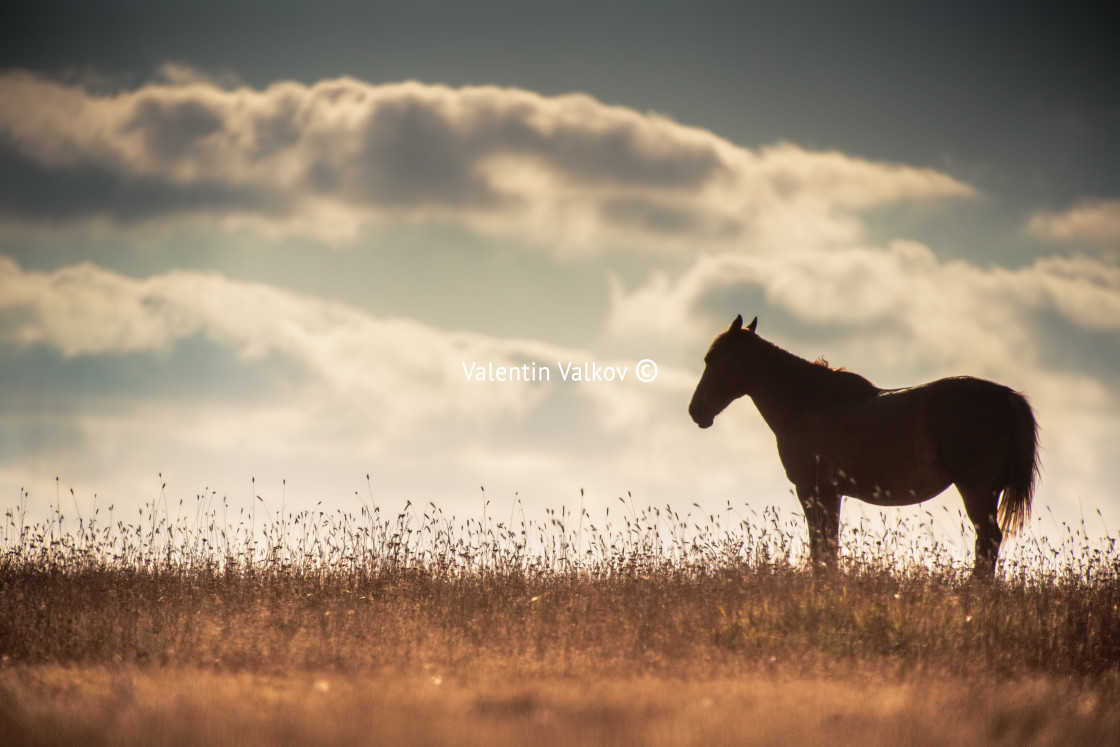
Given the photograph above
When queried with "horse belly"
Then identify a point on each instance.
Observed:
(897, 490)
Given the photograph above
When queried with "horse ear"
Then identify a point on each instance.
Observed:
(737, 324)
(753, 325)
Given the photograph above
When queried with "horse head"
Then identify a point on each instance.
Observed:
(722, 381)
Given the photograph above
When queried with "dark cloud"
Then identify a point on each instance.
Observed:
(22, 439)
(1068, 347)
(32, 192)
(277, 128)
(171, 129)
(412, 154)
(166, 149)
(331, 157)
(415, 149)
(629, 154)
(653, 217)
(40, 380)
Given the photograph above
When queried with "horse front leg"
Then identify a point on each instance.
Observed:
(822, 514)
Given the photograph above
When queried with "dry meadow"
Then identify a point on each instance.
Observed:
(199, 625)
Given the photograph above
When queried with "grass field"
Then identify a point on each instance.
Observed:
(645, 628)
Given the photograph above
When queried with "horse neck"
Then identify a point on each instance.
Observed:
(780, 383)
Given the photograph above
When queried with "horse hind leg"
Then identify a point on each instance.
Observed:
(981, 506)
(822, 514)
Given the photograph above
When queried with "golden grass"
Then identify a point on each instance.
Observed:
(130, 705)
(418, 629)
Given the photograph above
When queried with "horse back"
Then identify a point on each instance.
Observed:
(895, 446)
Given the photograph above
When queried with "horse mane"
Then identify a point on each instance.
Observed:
(821, 375)
(851, 376)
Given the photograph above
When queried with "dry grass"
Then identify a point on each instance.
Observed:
(55, 705)
(646, 628)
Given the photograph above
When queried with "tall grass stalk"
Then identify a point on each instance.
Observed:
(633, 589)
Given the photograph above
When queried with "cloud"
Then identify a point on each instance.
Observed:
(853, 287)
(182, 74)
(899, 306)
(355, 393)
(1083, 290)
(951, 312)
(347, 375)
(404, 372)
(1089, 223)
(330, 158)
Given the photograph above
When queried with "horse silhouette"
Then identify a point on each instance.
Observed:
(840, 435)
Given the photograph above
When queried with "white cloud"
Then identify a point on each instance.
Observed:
(175, 73)
(945, 313)
(364, 378)
(330, 158)
(1084, 290)
(1091, 222)
(403, 371)
(850, 287)
(383, 392)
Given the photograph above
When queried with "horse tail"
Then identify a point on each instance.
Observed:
(1022, 467)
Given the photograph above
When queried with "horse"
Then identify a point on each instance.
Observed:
(840, 435)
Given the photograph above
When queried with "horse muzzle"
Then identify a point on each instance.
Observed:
(701, 419)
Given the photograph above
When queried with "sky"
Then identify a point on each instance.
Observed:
(263, 248)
